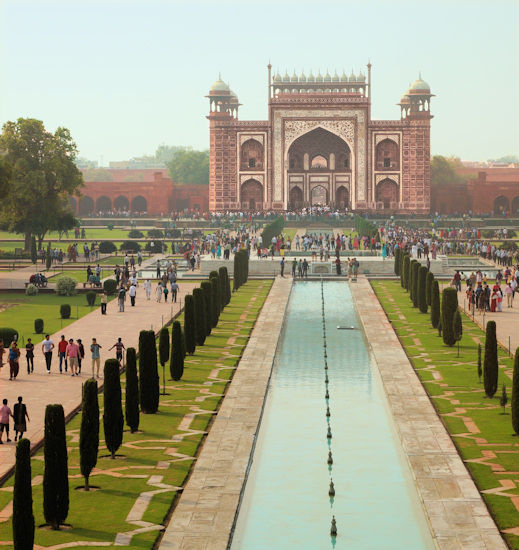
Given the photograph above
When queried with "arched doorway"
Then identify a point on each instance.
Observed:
(72, 204)
(319, 195)
(342, 197)
(121, 204)
(251, 194)
(86, 206)
(103, 204)
(387, 156)
(295, 197)
(515, 207)
(251, 155)
(139, 204)
(387, 192)
(501, 205)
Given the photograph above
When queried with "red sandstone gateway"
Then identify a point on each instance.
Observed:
(320, 146)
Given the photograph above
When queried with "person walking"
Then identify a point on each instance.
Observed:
(5, 413)
(72, 353)
(147, 288)
(509, 293)
(29, 354)
(132, 292)
(282, 264)
(119, 346)
(62, 349)
(165, 291)
(47, 347)
(14, 356)
(96, 358)
(19, 416)
(2, 351)
(121, 298)
(159, 292)
(81, 354)
(158, 269)
(174, 291)
(104, 301)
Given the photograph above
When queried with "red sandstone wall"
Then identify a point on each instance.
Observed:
(222, 164)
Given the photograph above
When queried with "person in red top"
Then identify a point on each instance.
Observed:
(62, 352)
(72, 353)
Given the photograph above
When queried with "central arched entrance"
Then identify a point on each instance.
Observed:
(121, 204)
(342, 197)
(139, 204)
(251, 193)
(295, 197)
(319, 196)
(387, 192)
(501, 205)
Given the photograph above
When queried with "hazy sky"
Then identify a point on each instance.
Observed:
(127, 75)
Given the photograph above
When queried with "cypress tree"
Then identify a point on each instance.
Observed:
(411, 279)
(48, 258)
(163, 354)
(237, 270)
(490, 362)
(515, 394)
(215, 299)
(89, 432)
(199, 307)
(397, 262)
(504, 398)
(176, 365)
(480, 370)
(207, 289)
(457, 328)
(55, 475)
(113, 420)
(190, 324)
(148, 372)
(406, 271)
(428, 287)
(23, 517)
(222, 273)
(421, 292)
(34, 254)
(416, 267)
(435, 304)
(132, 391)
(449, 307)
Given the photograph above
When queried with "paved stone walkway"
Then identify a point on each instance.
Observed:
(204, 515)
(457, 515)
(40, 389)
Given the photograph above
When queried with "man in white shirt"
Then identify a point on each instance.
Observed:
(47, 347)
(132, 292)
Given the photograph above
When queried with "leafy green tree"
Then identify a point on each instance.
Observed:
(515, 393)
(132, 391)
(166, 153)
(190, 324)
(89, 431)
(42, 178)
(443, 171)
(449, 307)
(490, 361)
(23, 517)
(176, 365)
(148, 372)
(113, 420)
(98, 174)
(55, 474)
(421, 290)
(207, 290)
(188, 166)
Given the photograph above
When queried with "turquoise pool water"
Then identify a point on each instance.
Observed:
(285, 504)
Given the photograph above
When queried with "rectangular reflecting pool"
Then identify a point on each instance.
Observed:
(285, 503)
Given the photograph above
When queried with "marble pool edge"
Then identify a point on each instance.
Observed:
(458, 518)
(204, 516)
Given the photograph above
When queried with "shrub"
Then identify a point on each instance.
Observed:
(241, 268)
(515, 394)
(130, 246)
(410, 282)
(66, 286)
(397, 262)
(190, 324)
(155, 233)
(31, 290)
(91, 297)
(215, 299)
(38, 326)
(34, 255)
(435, 304)
(148, 373)
(64, 311)
(272, 229)
(416, 267)
(200, 322)
(224, 286)
(55, 475)
(110, 226)
(490, 362)
(158, 247)
(89, 431)
(23, 517)
(457, 325)
(132, 391)
(110, 286)
(135, 234)
(207, 290)
(176, 365)
(428, 287)
(405, 271)
(107, 247)
(7, 335)
(163, 346)
(449, 307)
(480, 370)
(113, 411)
(421, 293)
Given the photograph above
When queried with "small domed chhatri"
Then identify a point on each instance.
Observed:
(294, 77)
(219, 86)
(419, 86)
(311, 77)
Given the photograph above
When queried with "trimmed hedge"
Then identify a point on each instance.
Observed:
(130, 246)
(113, 421)
(421, 292)
(428, 287)
(449, 307)
(38, 326)
(107, 247)
(215, 299)
(23, 517)
(515, 394)
(135, 234)
(435, 304)
(272, 229)
(200, 323)
(176, 365)
(64, 311)
(31, 290)
(110, 286)
(91, 298)
(397, 266)
(241, 269)
(132, 391)
(89, 431)
(148, 372)
(66, 286)
(7, 335)
(207, 289)
(490, 360)
(190, 324)
(404, 275)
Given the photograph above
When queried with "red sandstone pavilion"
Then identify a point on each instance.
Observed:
(320, 146)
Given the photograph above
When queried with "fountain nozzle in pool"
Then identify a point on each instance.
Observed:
(329, 434)
(325, 353)
(327, 411)
(330, 459)
(331, 490)
(327, 394)
(333, 528)
(326, 380)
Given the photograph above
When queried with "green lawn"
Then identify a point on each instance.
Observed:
(78, 275)
(21, 310)
(454, 388)
(99, 515)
